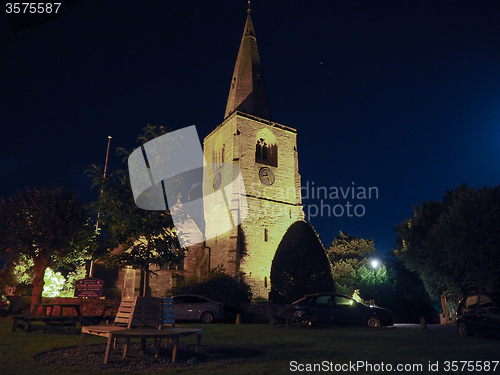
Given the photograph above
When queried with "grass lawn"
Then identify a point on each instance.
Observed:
(262, 349)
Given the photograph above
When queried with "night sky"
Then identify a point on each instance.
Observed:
(399, 95)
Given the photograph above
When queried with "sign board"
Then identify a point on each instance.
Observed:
(89, 287)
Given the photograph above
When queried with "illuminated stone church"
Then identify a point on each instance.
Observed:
(266, 154)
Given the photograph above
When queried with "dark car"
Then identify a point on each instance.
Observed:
(336, 308)
(479, 313)
(197, 308)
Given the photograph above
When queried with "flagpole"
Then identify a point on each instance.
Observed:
(91, 270)
(107, 157)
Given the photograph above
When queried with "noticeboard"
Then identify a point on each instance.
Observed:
(89, 287)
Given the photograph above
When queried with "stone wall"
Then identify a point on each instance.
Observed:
(270, 209)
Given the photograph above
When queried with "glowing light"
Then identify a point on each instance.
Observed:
(53, 283)
(375, 263)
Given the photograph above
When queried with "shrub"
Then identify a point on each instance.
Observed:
(218, 286)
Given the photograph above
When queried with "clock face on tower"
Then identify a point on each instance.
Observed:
(266, 176)
(217, 181)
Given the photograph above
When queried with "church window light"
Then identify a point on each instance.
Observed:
(266, 149)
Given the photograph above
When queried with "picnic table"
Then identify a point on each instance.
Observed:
(59, 315)
(47, 316)
(96, 319)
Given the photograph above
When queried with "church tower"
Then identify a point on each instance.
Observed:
(266, 154)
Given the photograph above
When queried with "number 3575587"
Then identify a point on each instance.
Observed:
(33, 8)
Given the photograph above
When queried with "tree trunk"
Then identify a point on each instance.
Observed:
(40, 265)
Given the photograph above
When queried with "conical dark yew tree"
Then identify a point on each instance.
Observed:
(300, 265)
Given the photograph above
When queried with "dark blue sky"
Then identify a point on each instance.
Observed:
(399, 95)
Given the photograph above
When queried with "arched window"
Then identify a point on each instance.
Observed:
(218, 154)
(266, 149)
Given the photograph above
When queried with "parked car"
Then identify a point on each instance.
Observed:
(336, 308)
(479, 313)
(197, 308)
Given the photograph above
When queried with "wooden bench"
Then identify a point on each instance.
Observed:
(132, 311)
(142, 317)
(166, 330)
(172, 334)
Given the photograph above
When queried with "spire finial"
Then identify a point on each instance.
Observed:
(248, 93)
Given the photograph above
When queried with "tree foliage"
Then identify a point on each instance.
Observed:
(391, 285)
(403, 292)
(454, 244)
(43, 225)
(138, 238)
(16, 275)
(349, 257)
(300, 265)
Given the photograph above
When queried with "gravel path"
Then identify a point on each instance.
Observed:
(93, 357)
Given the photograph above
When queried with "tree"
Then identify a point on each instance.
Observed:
(42, 224)
(300, 265)
(404, 293)
(16, 275)
(391, 285)
(349, 258)
(135, 237)
(454, 244)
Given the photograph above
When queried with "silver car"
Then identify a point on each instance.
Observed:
(197, 308)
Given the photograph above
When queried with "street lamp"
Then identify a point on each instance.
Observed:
(375, 263)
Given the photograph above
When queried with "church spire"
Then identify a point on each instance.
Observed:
(248, 92)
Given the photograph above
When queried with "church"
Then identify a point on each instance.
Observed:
(267, 157)
(266, 153)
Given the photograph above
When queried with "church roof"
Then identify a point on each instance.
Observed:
(247, 92)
